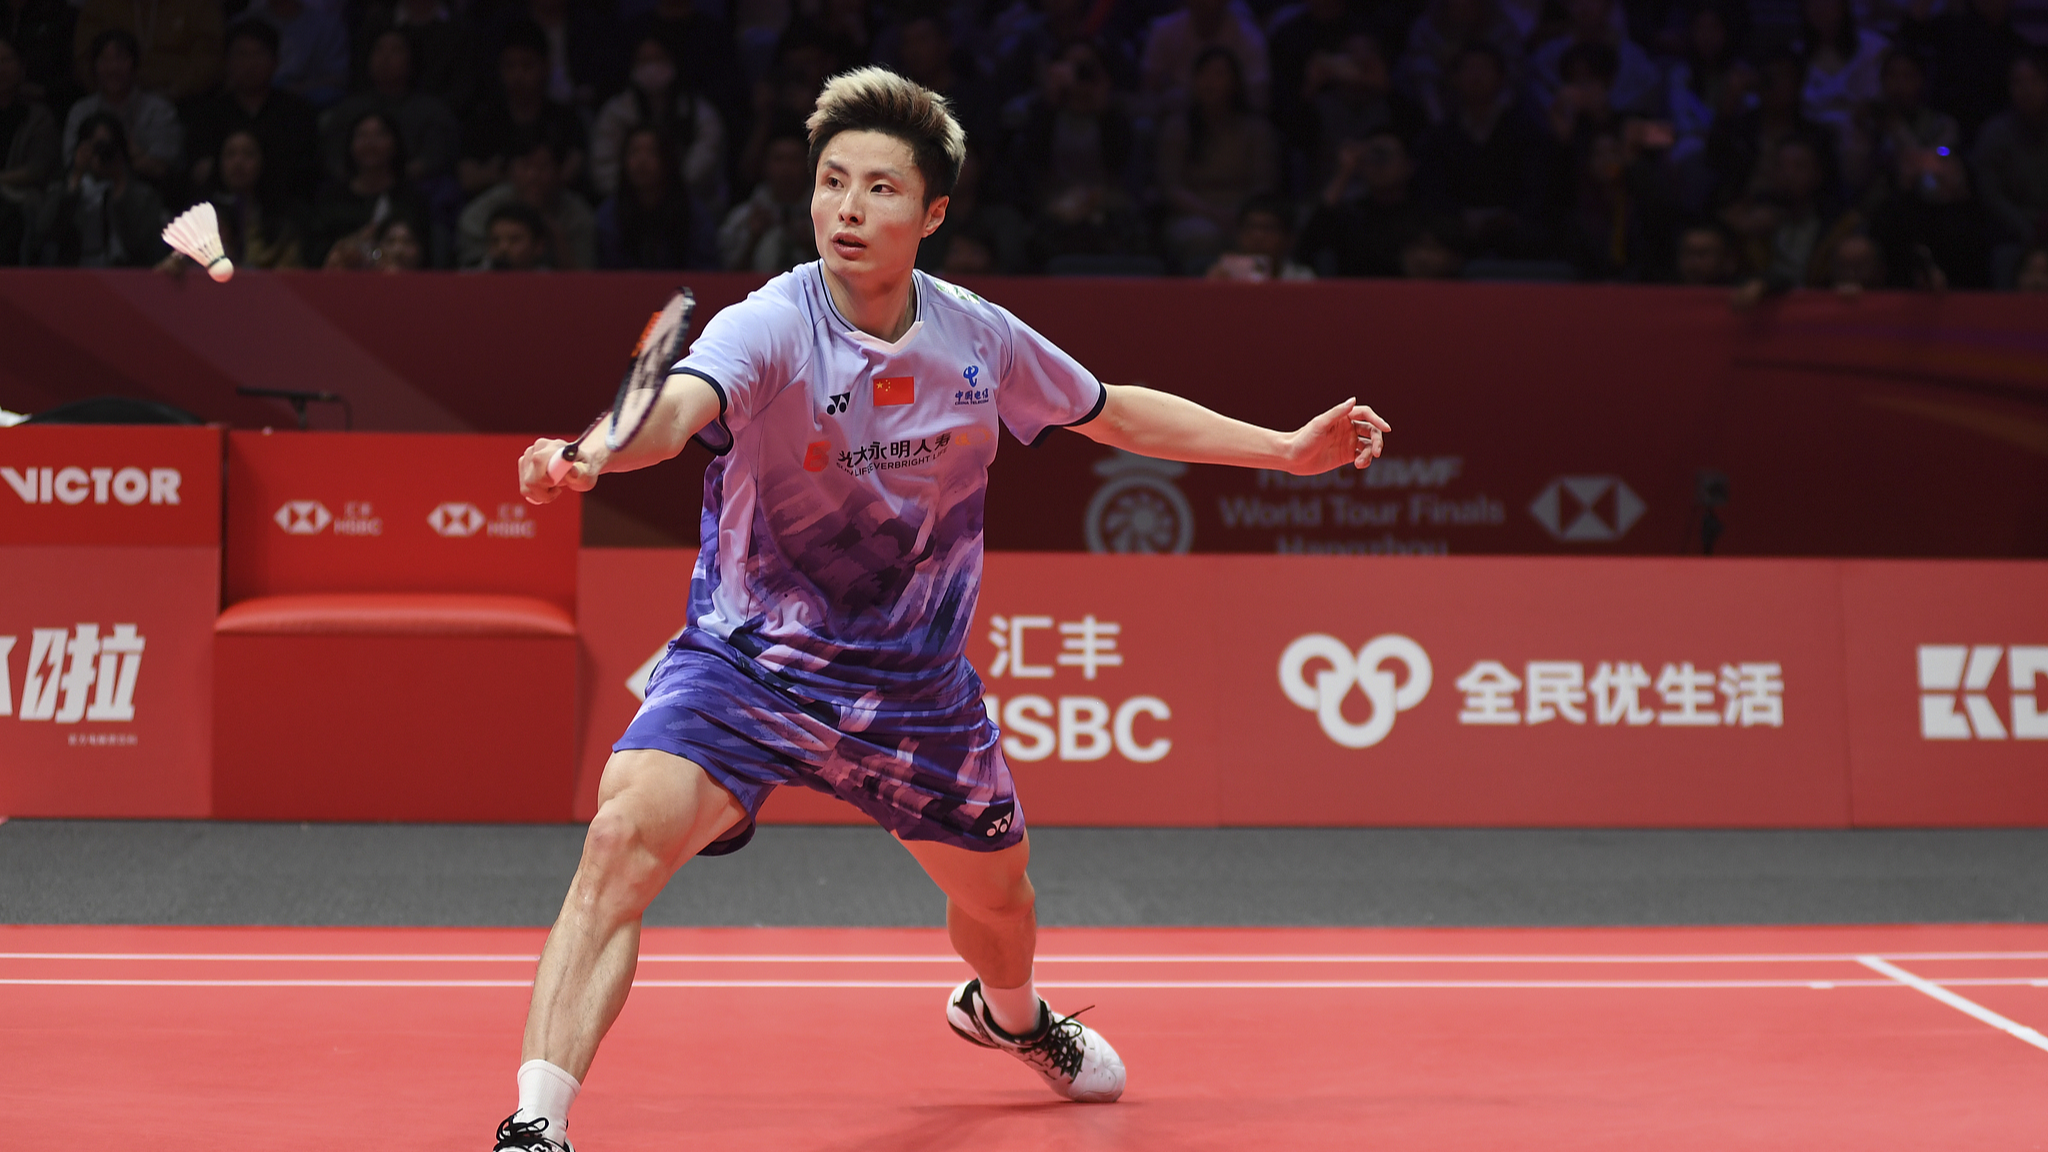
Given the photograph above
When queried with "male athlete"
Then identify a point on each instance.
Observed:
(852, 404)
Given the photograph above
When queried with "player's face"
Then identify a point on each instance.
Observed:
(867, 206)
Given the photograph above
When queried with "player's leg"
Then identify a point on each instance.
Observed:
(655, 811)
(992, 919)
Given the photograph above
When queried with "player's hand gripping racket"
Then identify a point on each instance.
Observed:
(661, 345)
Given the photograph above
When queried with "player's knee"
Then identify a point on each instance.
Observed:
(617, 857)
(1005, 901)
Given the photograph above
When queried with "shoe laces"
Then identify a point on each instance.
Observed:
(1059, 1048)
(525, 1136)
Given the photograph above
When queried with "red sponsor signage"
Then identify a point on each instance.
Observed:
(1948, 692)
(895, 391)
(109, 484)
(392, 512)
(106, 679)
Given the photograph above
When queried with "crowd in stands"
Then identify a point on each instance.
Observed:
(1760, 143)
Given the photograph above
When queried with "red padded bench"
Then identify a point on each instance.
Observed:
(400, 642)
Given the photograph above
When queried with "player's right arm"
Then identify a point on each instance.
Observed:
(687, 406)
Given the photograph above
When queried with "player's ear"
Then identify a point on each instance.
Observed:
(935, 214)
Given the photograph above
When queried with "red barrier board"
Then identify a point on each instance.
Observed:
(1948, 692)
(108, 484)
(392, 512)
(105, 679)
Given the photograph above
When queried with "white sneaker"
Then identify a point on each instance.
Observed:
(1072, 1058)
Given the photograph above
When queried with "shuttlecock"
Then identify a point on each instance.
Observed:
(196, 233)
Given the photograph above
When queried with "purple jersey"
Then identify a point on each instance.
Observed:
(842, 527)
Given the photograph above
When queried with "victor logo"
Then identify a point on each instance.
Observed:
(1365, 670)
(130, 486)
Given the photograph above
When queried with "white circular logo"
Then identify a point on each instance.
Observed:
(1325, 696)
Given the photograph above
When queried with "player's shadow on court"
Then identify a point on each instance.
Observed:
(941, 1127)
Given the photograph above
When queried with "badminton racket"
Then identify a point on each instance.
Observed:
(660, 346)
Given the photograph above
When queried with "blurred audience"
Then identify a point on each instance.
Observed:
(1212, 158)
(373, 189)
(28, 152)
(646, 221)
(312, 47)
(259, 228)
(176, 43)
(155, 136)
(518, 111)
(538, 182)
(1177, 42)
(770, 231)
(1264, 246)
(99, 214)
(282, 122)
(431, 133)
(2011, 158)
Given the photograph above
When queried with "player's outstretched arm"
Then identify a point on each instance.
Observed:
(1168, 427)
(686, 406)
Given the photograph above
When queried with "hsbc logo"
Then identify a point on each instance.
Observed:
(456, 519)
(1961, 674)
(1587, 509)
(303, 517)
(1344, 670)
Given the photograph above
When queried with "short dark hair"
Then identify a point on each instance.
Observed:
(121, 36)
(90, 126)
(878, 100)
(258, 30)
(524, 34)
(398, 156)
(1268, 204)
(521, 213)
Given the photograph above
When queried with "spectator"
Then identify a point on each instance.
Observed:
(1788, 231)
(1264, 246)
(1843, 66)
(1364, 237)
(2033, 271)
(1706, 256)
(1033, 34)
(2011, 157)
(28, 153)
(348, 212)
(395, 247)
(98, 215)
(1434, 251)
(705, 54)
(1711, 83)
(770, 231)
(177, 43)
(1437, 38)
(1637, 83)
(148, 121)
(997, 235)
(579, 49)
(1212, 158)
(1624, 215)
(41, 34)
(1855, 265)
(1969, 47)
(515, 240)
(520, 112)
(1928, 224)
(1351, 96)
(569, 226)
(1904, 128)
(645, 223)
(1176, 42)
(283, 123)
(258, 229)
(689, 123)
(443, 52)
(926, 54)
(431, 132)
(1738, 145)
(784, 98)
(312, 47)
(1073, 159)
(1490, 161)
(1301, 33)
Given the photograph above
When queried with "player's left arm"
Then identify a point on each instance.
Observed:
(1169, 427)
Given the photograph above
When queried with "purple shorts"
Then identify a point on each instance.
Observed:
(922, 775)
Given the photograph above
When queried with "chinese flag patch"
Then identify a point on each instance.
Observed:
(891, 391)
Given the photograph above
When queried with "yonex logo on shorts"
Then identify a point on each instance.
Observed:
(1365, 670)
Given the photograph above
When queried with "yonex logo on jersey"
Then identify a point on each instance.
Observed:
(1325, 697)
(971, 394)
(817, 455)
(837, 404)
(895, 391)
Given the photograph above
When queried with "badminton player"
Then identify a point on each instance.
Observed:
(853, 407)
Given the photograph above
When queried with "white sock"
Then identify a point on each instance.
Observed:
(546, 1091)
(1015, 1009)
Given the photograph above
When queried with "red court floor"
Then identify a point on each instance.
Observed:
(751, 1039)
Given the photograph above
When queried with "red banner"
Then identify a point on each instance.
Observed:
(106, 680)
(104, 484)
(382, 512)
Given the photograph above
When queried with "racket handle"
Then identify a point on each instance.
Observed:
(559, 466)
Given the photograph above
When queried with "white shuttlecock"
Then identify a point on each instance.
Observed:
(196, 233)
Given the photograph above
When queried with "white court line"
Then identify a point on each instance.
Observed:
(1959, 1003)
(1120, 958)
(1185, 985)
